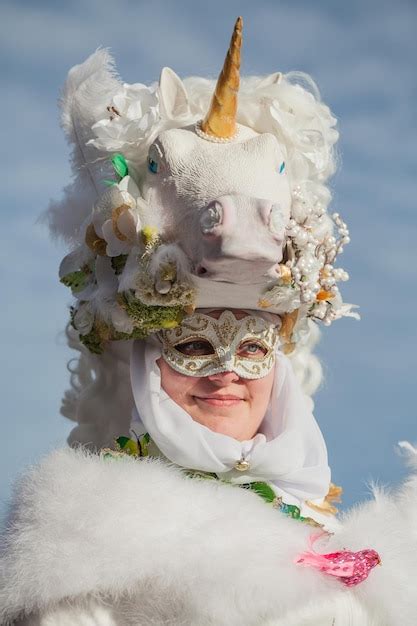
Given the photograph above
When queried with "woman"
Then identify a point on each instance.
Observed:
(128, 537)
(204, 259)
(245, 421)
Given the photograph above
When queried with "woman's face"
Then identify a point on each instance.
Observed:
(223, 402)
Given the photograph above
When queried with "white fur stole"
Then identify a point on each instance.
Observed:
(122, 542)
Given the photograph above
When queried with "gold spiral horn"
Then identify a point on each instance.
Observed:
(220, 120)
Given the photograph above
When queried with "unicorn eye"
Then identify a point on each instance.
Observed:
(155, 158)
(282, 168)
(153, 166)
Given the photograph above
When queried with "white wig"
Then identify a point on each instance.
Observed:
(288, 106)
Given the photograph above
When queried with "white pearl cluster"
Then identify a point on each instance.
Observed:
(200, 132)
(312, 250)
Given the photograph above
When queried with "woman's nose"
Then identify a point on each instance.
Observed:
(224, 378)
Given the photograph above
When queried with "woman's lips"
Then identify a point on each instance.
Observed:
(220, 400)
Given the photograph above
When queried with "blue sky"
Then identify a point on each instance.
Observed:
(362, 54)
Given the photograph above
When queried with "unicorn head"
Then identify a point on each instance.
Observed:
(212, 206)
(221, 187)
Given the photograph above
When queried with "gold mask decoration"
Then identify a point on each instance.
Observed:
(203, 345)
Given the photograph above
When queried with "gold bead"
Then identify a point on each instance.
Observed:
(242, 465)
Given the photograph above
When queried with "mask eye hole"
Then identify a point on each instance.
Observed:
(196, 347)
(252, 350)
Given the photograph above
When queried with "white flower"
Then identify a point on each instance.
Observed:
(133, 113)
(103, 302)
(121, 231)
(107, 282)
(116, 219)
(112, 313)
(84, 318)
(73, 261)
(284, 298)
(121, 320)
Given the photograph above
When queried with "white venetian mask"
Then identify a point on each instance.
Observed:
(203, 345)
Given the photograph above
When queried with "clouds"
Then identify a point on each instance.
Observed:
(362, 55)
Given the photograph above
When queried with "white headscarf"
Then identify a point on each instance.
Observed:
(289, 451)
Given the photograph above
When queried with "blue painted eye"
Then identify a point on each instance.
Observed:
(153, 166)
(282, 167)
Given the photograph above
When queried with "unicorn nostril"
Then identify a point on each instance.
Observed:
(211, 217)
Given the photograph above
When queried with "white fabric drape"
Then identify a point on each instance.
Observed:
(289, 450)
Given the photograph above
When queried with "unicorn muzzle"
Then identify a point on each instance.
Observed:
(222, 216)
(238, 231)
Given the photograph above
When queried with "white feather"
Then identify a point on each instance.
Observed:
(87, 92)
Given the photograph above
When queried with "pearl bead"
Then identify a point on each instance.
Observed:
(308, 295)
(200, 132)
(301, 237)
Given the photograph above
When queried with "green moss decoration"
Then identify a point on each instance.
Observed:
(150, 318)
(147, 319)
(118, 263)
(93, 341)
(77, 280)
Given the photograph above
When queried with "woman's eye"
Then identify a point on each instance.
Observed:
(195, 348)
(252, 349)
(153, 166)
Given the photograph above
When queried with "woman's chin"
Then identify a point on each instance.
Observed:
(226, 421)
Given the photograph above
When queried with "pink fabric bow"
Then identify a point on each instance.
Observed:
(351, 567)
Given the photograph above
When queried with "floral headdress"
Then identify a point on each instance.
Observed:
(138, 265)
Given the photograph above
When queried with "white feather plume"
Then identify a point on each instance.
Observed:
(87, 92)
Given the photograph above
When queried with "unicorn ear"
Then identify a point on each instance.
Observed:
(173, 97)
(271, 79)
